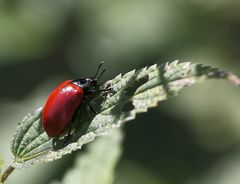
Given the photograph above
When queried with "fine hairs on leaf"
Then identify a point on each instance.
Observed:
(98, 163)
(132, 93)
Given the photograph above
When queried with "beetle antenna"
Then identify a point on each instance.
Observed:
(101, 74)
(99, 66)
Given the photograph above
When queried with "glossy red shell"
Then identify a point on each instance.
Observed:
(61, 107)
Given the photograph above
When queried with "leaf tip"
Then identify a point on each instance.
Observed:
(234, 79)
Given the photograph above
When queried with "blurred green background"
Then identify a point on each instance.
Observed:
(190, 139)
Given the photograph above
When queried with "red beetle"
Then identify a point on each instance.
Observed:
(64, 101)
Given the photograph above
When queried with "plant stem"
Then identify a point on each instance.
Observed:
(5, 175)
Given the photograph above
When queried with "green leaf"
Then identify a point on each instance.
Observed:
(132, 93)
(1, 166)
(97, 165)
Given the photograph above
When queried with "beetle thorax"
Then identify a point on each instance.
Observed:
(85, 83)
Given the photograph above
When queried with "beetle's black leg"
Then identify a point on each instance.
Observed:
(91, 108)
(68, 137)
(69, 132)
(104, 90)
(100, 90)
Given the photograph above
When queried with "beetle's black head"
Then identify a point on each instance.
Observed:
(91, 82)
